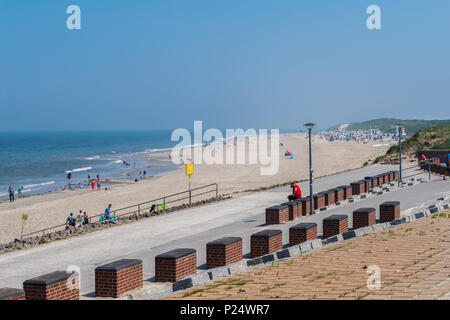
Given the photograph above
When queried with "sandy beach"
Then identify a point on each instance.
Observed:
(52, 208)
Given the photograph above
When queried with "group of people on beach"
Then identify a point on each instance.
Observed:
(11, 193)
(83, 219)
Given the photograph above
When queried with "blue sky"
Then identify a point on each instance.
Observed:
(160, 64)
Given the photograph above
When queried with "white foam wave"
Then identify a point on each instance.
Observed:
(29, 186)
(93, 158)
(79, 169)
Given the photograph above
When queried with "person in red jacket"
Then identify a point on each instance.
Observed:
(296, 192)
(423, 158)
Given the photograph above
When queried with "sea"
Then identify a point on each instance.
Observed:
(40, 161)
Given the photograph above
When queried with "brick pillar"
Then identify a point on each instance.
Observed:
(389, 211)
(357, 187)
(347, 191)
(265, 242)
(374, 181)
(293, 209)
(364, 217)
(116, 278)
(302, 232)
(395, 175)
(319, 201)
(277, 214)
(305, 208)
(12, 294)
(58, 285)
(367, 184)
(334, 225)
(175, 265)
(380, 179)
(223, 251)
(338, 194)
(329, 197)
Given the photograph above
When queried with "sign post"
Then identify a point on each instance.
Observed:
(189, 172)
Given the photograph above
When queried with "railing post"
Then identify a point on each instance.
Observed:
(429, 170)
(139, 209)
(217, 190)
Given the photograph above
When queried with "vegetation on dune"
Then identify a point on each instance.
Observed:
(432, 138)
(388, 125)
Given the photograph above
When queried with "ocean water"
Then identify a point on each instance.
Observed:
(39, 161)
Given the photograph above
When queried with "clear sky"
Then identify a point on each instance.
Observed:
(160, 64)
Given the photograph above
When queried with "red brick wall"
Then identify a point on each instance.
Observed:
(172, 270)
(339, 195)
(11, 294)
(389, 213)
(114, 284)
(374, 182)
(277, 216)
(357, 188)
(329, 198)
(262, 246)
(297, 236)
(363, 219)
(65, 290)
(331, 228)
(305, 208)
(219, 256)
(347, 191)
(319, 201)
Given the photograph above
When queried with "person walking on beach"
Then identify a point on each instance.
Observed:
(89, 178)
(98, 184)
(93, 184)
(144, 174)
(140, 175)
(19, 191)
(11, 194)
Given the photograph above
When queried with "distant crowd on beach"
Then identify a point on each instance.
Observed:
(363, 136)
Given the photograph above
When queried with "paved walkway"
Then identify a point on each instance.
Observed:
(414, 262)
(191, 228)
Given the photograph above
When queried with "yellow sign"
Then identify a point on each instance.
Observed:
(189, 168)
(24, 217)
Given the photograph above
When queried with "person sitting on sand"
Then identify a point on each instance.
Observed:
(296, 192)
(70, 220)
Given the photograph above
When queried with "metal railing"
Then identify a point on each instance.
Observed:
(146, 206)
(419, 166)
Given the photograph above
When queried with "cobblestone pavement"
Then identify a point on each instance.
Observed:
(414, 262)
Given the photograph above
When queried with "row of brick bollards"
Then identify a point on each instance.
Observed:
(292, 210)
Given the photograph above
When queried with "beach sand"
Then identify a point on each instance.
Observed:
(52, 208)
